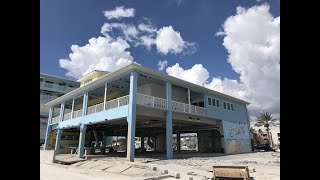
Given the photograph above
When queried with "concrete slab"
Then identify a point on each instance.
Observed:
(77, 164)
(92, 164)
(118, 168)
(102, 167)
(134, 171)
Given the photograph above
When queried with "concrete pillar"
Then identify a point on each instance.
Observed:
(49, 127)
(205, 101)
(72, 108)
(58, 138)
(61, 112)
(178, 142)
(104, 142)
(189, 100)
(105, 96)
(132, 116)
(84, 105)
(82, 139)
(142, 144)
(169, 121)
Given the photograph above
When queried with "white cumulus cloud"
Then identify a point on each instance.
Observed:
(252, 38)
(119, 12)
(147, 28)
(169, 41)
(162, 64)
(197, 74)
(102, 53)
(129, 31)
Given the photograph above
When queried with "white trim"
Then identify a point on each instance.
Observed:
(139, 68)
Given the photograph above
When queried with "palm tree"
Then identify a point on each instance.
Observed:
(266, 120)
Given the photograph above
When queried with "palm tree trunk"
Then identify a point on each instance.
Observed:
(268, 137)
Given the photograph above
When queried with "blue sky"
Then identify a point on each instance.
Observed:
(250, 39)
(63, 23)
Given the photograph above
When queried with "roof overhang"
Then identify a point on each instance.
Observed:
(142, 69)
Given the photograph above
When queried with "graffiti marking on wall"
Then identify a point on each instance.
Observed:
(237, 130)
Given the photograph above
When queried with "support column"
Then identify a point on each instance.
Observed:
(61, 111)
(169, 121)
(105, 96)
(103, 142)
(82, 139)
(49, 127)
(58, 138)
(189, 100)
(84, 105)
(142, 144)
(178, 142)
(132, 116)
(205, 101)
(72, 109)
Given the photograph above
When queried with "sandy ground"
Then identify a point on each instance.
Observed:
(262, 165)
(54, 172)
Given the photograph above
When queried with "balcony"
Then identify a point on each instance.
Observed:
(188, 109)
(142, 100)
(55, 87)
(155, 102)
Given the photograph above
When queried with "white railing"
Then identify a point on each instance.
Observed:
(185, 108)
(95, 108)
(201, 111)
(122, 101)
(55, 120)
(67, 116)
(77, 113)
(151, 101)
(49, 85)
(180, 107)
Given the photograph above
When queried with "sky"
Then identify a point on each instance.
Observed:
(229, 46)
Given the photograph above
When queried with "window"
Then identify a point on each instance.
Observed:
(224, 105)
(218, 103)
(213, 102)
(231, 107)
(228, 106)
(209, 101)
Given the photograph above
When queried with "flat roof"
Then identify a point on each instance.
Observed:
(142, 69)
(42, 75)
(91, 73)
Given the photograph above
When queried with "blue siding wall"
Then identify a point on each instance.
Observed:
(110, 114)
(238, 115)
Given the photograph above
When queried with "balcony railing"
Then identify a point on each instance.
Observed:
(49, 85)
(67, 116)
(122, 101)
(186, 108)
(142, 99)
(95, 108)
(77, 113)
(55, 120)
(151, 101)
